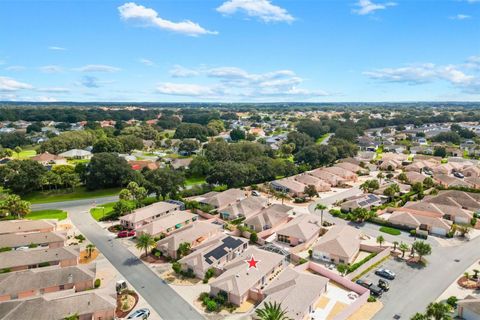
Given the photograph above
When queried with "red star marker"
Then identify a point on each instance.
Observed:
(252, 263)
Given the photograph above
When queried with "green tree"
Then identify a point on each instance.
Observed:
(165, 182)
(438, 311)
(271, 311)
(380, 240)
(395, 244)
(108, 170)
(18, 150)
(419, 316)
(15, 206)
(422, 249)
(404, 248)
(322, 208)
(310, 191)
(22, 176)
(90, 249)
(428, 182)
(72, 317)
(237, 134)
(282, 196)
(183, 249)
(253, 237)
(145, 242)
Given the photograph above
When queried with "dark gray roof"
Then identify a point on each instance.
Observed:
(228, 244)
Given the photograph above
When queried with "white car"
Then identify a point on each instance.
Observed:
(143, 314)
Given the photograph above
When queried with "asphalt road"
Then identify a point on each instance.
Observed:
(414, 287)
(67, 205)
(161, 297)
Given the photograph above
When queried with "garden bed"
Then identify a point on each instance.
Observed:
(468, 283)
(125, 303)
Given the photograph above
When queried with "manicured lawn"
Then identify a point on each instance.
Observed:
(193, 181)
(47, 214)
(392, 231)
(25, 154)
(64, 195)
(101, 211)
(320, 140)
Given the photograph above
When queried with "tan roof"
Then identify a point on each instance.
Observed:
(181, 162)
(350, 166)
(13, 240)
(470, 303)
(270, 216)
(169, 221)
(35, 279)
(43, 157)
(302, 227)
(246, 207)
(13, 259)
(307, 179)
(150, 211)
(295, 291)
(291, 184)
(222, 199)
(21, 226)
(416, 219)
(198, 232)
(342, 241)
(341, 172)
(55, 307)
(327, 176)
(461, 199)
(238, 279)
(451, 181)
(414, 176)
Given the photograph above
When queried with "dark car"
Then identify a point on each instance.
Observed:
(458, 175)
(385, 273)
(384, 284)
(140, 314)
(374, 290)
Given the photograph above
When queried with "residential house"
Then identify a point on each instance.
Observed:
(449, 181)
(268, 218)
(167, 223)
(42, 239)
(469, 308)
(420, 221)
(23, 260)
(142, 164)
(471, 171)
(87, 305)
(35, 282)
(340, 244)
(415, 177)
(195, 234)
(297, 292)
(330, 178)
(365, 201)
(303, 229)
(352, 167)
(390, 164)
(341, 172)
(290, 186)
(144, 215)
(179, 163)
(244, 208)
(26, 226)
(47, 159)
(213, 255)
(306, 180)
(220, 200)
(239, 282)
(76, 154)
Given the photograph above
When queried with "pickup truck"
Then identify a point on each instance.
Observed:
(374, 290)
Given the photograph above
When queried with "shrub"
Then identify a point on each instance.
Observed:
(389, 230)
(452, 301)
(158, 254)
(97, 283)
(5, 270)
(253, 237)
(80, 238)
(4, 249)
(473, 222)
(357, 265)
(371, 299)
(43, 264)
(302, 261)
(208, 274)
(32, 245)
(177, 267)
(203, 295)
(211, 305)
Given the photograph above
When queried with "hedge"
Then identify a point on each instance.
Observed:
(389, 230)
(357, 265)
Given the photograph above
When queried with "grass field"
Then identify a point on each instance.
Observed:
(47, 214)
(25, 154)
(320, 140)
(193, 181)
(64, 195)
(101, 211)
(392, 231)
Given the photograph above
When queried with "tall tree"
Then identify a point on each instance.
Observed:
(145, 242)
(321, 207)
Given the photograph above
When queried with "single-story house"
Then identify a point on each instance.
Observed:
(340, 244)
(147, 214)
(304, 228)
(289, 185)
(328, 177)
(23, 260)
(42, 239)
(89, 305)
(181, 163)
(297, 292)
(76, 154)
(239, 282)
(365, 201)
(35, 282)
(469, 308)
(352, 167)
(168, 223)
(244, 208)
(420, 221)
(195, 234)
(26, 226)
(449, 181)
(141, 164)
(319, 184)
(414, 177)
(214, 254)
(341, 172)
(49, 159)
(268, 218)
(471, 171)
(220, 200)
(448, 212)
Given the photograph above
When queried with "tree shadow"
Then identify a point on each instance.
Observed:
(132, 262)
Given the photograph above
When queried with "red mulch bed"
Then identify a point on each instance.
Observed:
(152, 259)
(115, 228)
(467, 283)
(122, 314)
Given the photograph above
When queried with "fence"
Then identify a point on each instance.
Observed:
(369, 263)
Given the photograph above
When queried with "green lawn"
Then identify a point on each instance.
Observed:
(392, 231)
(64, 195)
(320, 140)
(101, 211)
(193, 181)
(47, 214)
(25, 154)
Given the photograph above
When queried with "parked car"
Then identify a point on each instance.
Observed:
(385, 273)
(374, 290)
(23, 248)
(143, 313)
(458, 175)
(126, 233)
(131, 233)
(255, 193)
(384, 284)
(120, 286)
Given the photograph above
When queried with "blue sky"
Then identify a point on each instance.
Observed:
(240, 50)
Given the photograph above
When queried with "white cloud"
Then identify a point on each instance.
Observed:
(367, 7)
(9, 84)
(97, 68)
(429, 72)
(133, 11)
(181, 72)
(460, 17)
(146, 62)
(15, 68)
(56, 48)
(186, 89)
(54, 90)
(51, 69)
(262, 9)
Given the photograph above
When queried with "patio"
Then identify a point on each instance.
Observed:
(334, 301)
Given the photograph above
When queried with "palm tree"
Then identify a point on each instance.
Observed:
(438, 311)
(90, 249)
(380, 240)
(395, 244)
(422, 249)
(321, 207)
(404, 248)
(145, 241)
(282, 196)
(380, 176)
(272, 312)
(183, 249)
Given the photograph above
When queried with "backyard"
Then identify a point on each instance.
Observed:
(68, 195)
(47, 214)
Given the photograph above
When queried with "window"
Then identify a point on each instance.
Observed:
(283, 238)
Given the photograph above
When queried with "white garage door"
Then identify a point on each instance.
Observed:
(439, 231)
